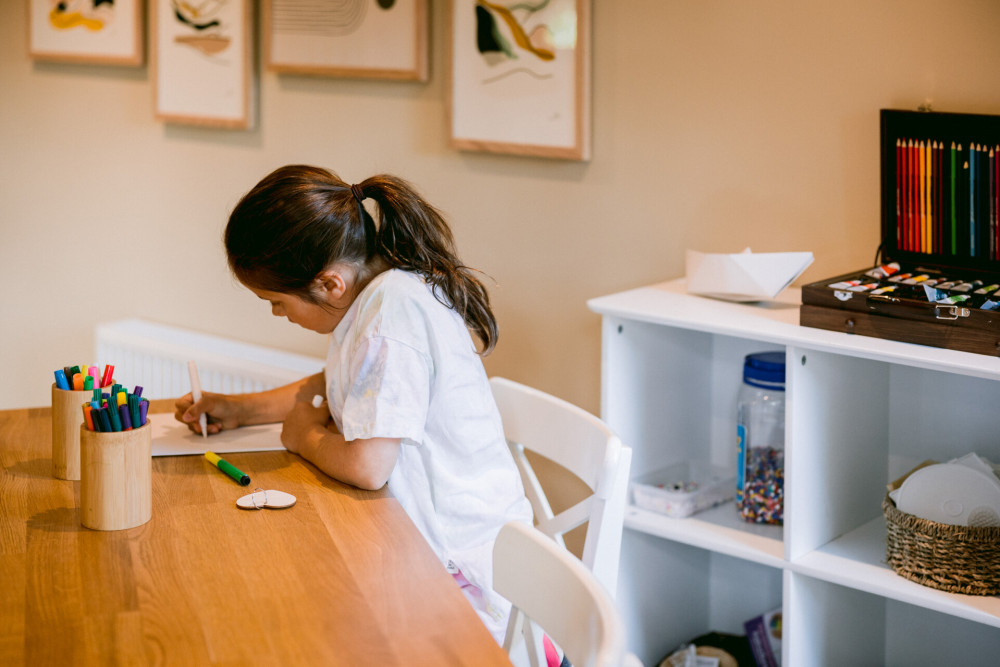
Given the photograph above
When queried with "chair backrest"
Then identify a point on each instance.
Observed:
(583, 444)
(547, 585)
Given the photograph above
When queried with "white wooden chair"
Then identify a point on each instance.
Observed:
(582, 444)
(549, 587)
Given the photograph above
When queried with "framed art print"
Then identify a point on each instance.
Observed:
(202, 62)
(520, 77)
(105, 32)
(378, 39)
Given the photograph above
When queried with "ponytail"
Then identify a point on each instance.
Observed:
(413, 236)
(299, 220)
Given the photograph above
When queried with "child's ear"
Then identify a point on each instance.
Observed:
(331, 285)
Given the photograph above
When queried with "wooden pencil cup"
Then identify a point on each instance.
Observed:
(67, 416)
(116, 482)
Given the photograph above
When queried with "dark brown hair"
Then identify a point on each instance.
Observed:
(299, 220)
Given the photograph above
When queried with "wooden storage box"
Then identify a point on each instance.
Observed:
(940, 240)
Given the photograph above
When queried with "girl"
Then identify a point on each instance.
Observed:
(404, 383)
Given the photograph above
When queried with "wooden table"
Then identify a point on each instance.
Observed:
(341, 578)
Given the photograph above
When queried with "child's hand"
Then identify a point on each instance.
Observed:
(221, 410)
(300, 421)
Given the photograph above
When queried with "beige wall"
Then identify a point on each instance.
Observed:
(717, 125)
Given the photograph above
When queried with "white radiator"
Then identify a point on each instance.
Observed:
(155, 356)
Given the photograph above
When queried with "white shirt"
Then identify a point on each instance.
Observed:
(403, 365)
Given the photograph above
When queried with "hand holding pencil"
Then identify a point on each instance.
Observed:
(196, 406)
(222, 410)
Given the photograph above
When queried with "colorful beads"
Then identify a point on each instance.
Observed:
(763, 487)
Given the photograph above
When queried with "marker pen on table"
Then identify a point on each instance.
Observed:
(196, 395)
(228, 468)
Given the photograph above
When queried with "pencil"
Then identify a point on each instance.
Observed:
(939, 182)
(899, 194)
(928, 202)
(196, 395)
(972, 200)
(954, 215)
(922, 184)
(996, 201)
(990, 207)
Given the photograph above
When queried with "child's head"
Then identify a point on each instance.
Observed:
(300, 221)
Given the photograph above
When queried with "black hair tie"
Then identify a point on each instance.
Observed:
(357, 192)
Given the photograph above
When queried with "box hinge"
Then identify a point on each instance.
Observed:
(945, 312)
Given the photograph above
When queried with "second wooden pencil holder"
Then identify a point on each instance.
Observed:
(67, 416)
(116, 478)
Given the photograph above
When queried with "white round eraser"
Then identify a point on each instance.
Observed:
(318, 400)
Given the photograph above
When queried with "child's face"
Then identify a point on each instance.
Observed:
(306, 314)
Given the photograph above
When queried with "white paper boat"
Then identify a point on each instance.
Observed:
(744, 276)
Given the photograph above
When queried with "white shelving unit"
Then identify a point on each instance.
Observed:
(859, 412)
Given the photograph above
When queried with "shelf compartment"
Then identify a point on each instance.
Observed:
(830, 624)
(718, 530)
(692, 590)
(857, 560)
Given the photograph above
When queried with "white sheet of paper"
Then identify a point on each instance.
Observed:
(172, 438)
(744, 276)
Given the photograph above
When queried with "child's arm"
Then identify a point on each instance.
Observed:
(364, 463)
(229, 411)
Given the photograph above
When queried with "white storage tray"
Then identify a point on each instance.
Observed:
(684, 488)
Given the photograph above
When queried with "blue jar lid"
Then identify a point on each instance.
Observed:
(765, 369)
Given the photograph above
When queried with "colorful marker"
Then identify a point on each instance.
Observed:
(62, 382)
(228, 468)
(106, 378)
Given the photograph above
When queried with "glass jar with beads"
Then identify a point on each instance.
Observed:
(760, 429)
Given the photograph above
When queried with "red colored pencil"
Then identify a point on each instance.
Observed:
(914, 192)
(899, 194)
(905, 243)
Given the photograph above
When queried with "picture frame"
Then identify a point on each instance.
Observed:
(380, 39)
(519, 77)
(77, 31)
(202, 63)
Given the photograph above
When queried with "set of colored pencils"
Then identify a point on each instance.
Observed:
(117, 410)
(948, 198)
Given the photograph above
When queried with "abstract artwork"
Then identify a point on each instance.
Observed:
(106, 32)
(377, 39)
(520, 77)
(202, 62)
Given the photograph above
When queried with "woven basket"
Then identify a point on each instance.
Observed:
(957, 559)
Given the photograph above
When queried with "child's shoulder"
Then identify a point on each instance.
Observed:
(398, 304)
(395, 292)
